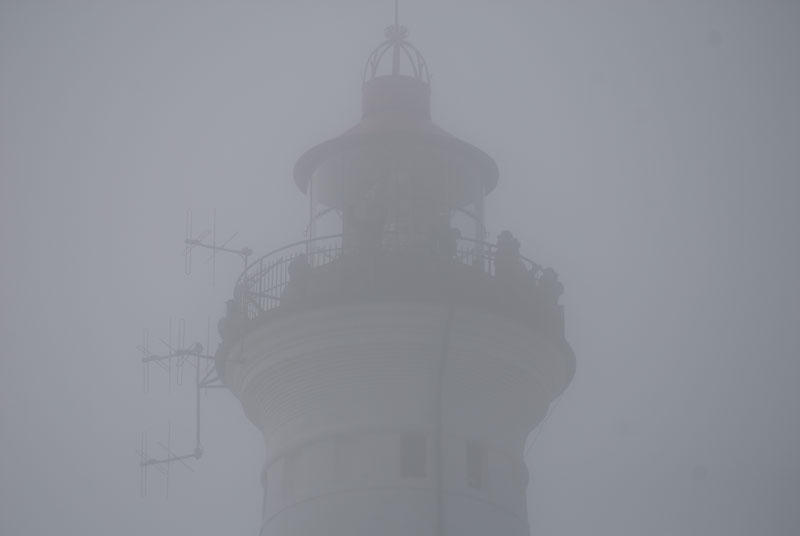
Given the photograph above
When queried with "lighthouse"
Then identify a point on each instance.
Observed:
(397, 357)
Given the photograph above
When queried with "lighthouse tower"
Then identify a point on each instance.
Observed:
(396, 364)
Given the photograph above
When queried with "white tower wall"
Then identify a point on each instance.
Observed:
(395, 418)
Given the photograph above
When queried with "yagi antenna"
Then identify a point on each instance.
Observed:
(205, 377)
(162, 464)
(192, 242)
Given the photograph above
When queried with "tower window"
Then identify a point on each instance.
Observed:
(476, 465)
(264, 479)
(413, 455)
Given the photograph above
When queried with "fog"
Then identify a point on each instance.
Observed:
(647, 150)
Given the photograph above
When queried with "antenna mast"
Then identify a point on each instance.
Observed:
(195, 354)
(180, 353)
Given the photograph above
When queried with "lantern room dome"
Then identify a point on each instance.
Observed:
(396, 56)
(396, 135)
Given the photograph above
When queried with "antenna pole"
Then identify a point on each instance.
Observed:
(169, 452)
(169, 361)
(310, 216)
(197, 409)
(187, 254)
(397, 36)
(214, 249)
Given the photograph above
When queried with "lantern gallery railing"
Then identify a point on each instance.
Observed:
(265, 282)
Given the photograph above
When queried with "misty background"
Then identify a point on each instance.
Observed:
(649, 151)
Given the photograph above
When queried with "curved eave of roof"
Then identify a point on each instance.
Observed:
(388, 127)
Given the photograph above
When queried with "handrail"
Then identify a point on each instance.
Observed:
(284, 248)
(307, 242)
(266, 280)
(529, 264)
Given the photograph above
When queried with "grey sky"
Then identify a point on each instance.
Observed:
(647, 150)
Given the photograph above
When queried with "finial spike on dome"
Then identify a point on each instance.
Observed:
(395, 33)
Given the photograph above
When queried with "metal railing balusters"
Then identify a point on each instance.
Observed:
(261, 286)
